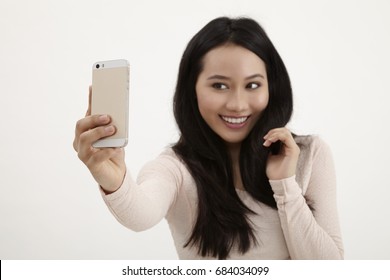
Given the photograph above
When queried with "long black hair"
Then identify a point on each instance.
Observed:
(222, 220)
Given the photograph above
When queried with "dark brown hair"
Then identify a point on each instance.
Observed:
(222, 220)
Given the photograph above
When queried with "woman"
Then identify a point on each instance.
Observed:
(237, 184)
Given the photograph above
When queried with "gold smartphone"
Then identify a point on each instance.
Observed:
(110, 95)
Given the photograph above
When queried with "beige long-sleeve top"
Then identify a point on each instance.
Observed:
(305, 225)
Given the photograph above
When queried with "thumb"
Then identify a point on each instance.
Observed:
(88, 113)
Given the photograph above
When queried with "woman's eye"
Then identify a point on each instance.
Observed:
(219, 86)
(253, 85)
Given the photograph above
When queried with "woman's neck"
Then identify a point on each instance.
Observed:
(234, 152)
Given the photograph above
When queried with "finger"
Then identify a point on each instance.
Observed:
(289, 147)
(282, 134)
(91, 122)
(88, 113)
(267, 143)
(275, 130)
(87, 138)
(270, 136)
(284, 137)
(86, 124)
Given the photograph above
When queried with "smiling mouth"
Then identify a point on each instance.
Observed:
(235, 120)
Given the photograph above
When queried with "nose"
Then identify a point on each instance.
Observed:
(236, 102)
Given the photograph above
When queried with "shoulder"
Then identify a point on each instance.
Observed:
(315, 156)
(169, 156)
(311, 145)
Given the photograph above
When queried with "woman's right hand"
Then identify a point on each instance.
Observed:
(106, 165)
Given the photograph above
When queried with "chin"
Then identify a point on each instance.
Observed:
(233, 141)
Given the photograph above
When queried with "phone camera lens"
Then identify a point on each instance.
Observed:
(97, 66)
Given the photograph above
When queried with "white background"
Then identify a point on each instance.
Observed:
(50, 208)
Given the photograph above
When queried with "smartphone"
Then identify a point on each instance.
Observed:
(110, 96)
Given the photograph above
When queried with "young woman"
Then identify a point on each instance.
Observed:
(237, 184)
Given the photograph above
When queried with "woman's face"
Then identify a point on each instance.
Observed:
(232, 91)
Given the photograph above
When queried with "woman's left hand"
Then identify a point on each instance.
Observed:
(284, 164)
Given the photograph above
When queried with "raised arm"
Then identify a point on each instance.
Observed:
(310, 220)
(106, 165)
(139, 205)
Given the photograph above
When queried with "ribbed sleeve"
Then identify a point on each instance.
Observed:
(142, 204)
(310, 221)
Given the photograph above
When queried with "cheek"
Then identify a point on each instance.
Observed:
(202, 105)
(260, 103)
(207, 103)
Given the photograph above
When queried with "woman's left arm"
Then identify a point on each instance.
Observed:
(309, 221)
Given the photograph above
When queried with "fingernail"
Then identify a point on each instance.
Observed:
(103, 118)
(109, 129)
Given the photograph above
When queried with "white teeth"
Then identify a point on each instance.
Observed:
(234, 120)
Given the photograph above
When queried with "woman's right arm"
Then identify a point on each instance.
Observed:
(106, 165)
(137, 205)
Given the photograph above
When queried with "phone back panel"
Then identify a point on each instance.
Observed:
(110, 94)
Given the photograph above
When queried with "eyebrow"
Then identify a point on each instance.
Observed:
(221, 77)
